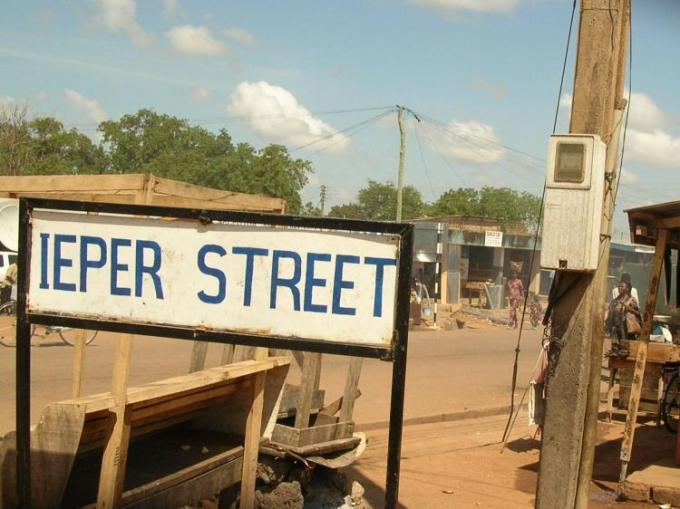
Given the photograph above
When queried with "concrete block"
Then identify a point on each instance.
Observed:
(636, 491)
(666, 495)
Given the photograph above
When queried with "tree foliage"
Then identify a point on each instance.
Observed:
(42, 146)
(378, 201)
(500, 203)
(149, 142)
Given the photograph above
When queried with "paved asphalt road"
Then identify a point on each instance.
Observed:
(448, 372)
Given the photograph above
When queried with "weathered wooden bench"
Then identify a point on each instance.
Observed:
(187, 439)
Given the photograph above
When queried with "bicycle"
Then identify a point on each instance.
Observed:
(670, 405)
(8, 329)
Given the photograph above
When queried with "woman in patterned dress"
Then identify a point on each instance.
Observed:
(515, 296)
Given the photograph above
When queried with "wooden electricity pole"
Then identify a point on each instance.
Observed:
(402, 151)
(573, 389)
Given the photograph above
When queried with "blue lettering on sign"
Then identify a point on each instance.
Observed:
(290, 283)
(151, 270)
(380, 264)
(311, 282)
(60, 262)
(44, 246)
(211, 271)
(339, 284)
(86, 262)
(251, 253)
(117, 267)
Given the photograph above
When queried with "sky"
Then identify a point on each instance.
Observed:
(481, 78)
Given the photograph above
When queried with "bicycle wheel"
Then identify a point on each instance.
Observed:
(670, 409)
(8, 324)
(68, 335)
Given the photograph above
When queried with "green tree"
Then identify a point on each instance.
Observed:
(347, 211)
(378, 201)
(148, 142)
(495, 202)
(43, 147)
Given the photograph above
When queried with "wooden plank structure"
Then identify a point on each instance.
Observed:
(72, 436)
(135, 188)
(314, 432)
(659, 226)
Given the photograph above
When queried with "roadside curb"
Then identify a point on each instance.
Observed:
(447, 417)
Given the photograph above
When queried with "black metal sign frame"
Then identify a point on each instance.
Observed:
(395, 352)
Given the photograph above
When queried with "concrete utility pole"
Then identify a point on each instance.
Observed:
(402, 151)
(573, 390)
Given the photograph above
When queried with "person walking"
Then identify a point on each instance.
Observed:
(515, 289)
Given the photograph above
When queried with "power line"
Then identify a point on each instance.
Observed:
(341, 131)
(225, 118)
(352, 132)
(416, 121)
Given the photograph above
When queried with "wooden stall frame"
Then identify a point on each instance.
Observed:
(395, 352)
(650, 225)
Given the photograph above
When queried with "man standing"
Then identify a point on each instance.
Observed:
(515, 289)
(625, 277)
(7, 283)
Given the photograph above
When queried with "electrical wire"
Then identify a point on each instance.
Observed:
(416, 122)
(341, 131)
(218, 119)
(515, 366)
(352, 132)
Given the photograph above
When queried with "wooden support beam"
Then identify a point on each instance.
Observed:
(253, 427)
(199, 352)
(310, 368)
(112, 474)
(641, 359)
(78, 361)
(351, 386)
(227, 354)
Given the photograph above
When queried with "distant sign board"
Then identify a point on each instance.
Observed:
(493, 238)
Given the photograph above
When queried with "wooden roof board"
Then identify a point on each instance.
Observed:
(645, 221)
(125, 188)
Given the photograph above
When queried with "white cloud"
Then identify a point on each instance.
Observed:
(656, 148)
(241, 36)
(565, 101)
(629, 178)
(170, 7)
(195, 40)
(7, 101)
(474, 142)
(88, 106)
(200, 94)
(645, 114)
(478, 6)
(275, 114)
(120, 16)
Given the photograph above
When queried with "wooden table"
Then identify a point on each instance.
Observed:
(658, 355)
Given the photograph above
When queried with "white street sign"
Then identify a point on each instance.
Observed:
(263, 280)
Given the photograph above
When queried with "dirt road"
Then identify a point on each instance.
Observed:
(449, 373)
